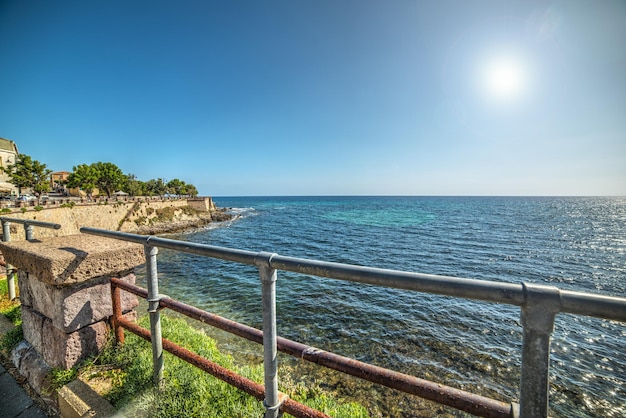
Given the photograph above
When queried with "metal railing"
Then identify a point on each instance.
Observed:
(539, 306)
(29, 233)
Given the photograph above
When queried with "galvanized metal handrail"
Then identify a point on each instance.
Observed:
(539, 304)
(28, 232)
(589, 304)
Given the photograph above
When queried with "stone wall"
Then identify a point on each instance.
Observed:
(203, 204)
(115, 216)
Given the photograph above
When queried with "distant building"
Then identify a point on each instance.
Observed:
(58, 179)
(8, 156)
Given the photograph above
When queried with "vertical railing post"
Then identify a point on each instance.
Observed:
(116, 302)
(270, 361)
(6, 237)
(153, 310)
(538, 314)
(28, 231)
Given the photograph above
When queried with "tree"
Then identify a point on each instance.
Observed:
(83, 176)
(176, 186)
(109, 177)
(180, 188)
(106, 177)
(191, 190)
(29, 173)
(156, 187)
(134, 187)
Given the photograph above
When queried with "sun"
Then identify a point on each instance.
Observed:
(505, 78)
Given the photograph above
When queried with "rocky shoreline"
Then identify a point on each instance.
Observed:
(200, 220)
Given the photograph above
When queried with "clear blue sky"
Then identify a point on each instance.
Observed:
(324, 97)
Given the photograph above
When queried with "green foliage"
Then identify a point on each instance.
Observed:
(5, 210)
(13, 313)
(140, 220)
(11, 310)
(191, 190)
(28, 173)
(61, 377)
(38, 208)
(155, 187)
(180, 188)
(83, 176)
(23, 210)
(109, 177)
(105, 176)
(133, 186)
(11, 339)
(188, 391)
(69, 204)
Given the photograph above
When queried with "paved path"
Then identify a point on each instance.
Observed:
(14, 401)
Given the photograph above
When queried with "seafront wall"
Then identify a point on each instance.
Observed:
(130, 215)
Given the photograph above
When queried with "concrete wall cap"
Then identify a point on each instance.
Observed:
(74, 258)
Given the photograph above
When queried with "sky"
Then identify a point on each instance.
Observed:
(325, 97)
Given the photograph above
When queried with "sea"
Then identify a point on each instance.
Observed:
(573, 243)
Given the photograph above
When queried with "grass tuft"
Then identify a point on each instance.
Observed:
(188, 391)
(11, 310)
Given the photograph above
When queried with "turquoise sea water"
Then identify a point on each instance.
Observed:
(573, 243)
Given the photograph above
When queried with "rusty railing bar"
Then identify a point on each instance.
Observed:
(250, 387)
(459, 399)
(116, 302)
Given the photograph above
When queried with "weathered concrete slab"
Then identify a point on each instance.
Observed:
(77, 399)
(74, 258)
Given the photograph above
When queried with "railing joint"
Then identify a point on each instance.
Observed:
(539, 310)
(540, 307)
(154, 304)
(263, 260)
(282, 397)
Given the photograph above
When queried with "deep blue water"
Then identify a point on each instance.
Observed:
(572, 243)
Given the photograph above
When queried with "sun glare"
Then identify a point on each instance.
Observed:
(505, 79)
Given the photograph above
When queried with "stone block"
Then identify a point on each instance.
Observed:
(66, 350)
(60, 349)
(32, 327)
(26, 298)
(31, 366)
(73, 307)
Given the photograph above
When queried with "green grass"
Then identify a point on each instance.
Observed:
(187, 390)
(10, 309)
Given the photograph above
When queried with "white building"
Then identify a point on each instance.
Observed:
(8, 156)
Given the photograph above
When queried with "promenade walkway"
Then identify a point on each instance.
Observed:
(14, 400)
